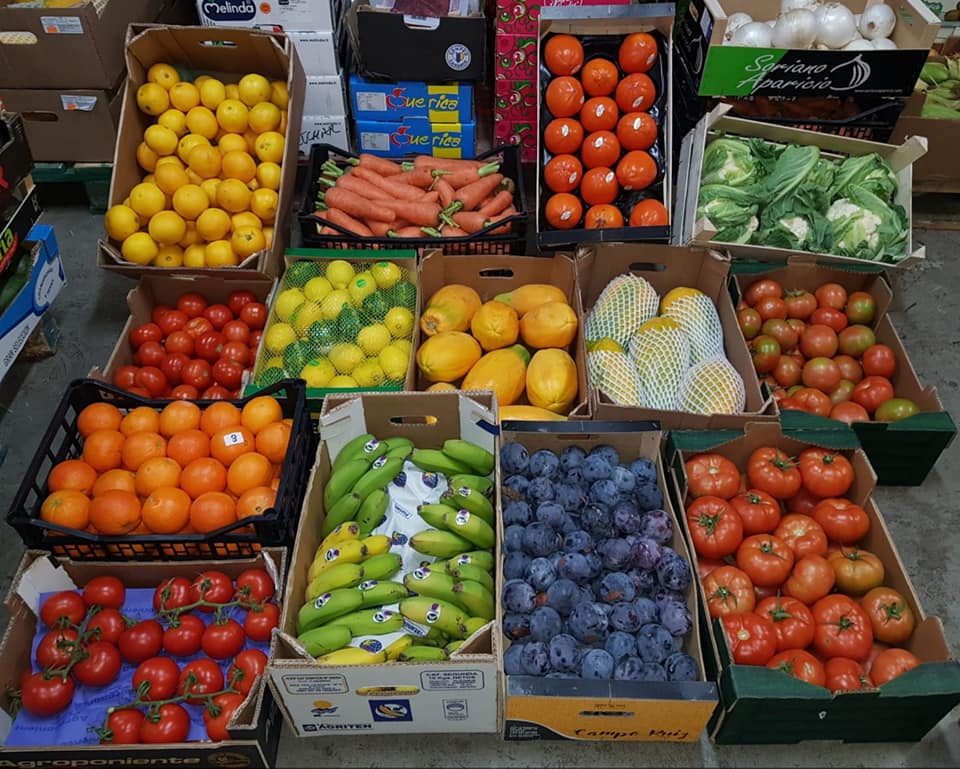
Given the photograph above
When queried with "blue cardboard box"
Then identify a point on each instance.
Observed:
(442, 140)
(400, 101)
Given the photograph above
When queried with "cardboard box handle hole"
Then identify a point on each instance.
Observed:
(496, 272)
(40, 116)
(647, 267)
(218, 43)
(606, 714)
(18, 37)
(414, 420)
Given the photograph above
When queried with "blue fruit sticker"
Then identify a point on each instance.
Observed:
(371, 645)
(321, 600)
(331, 554)
(401, 479)
(430, 480)
(369, 584)
(462, 517)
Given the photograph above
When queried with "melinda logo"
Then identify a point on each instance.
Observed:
(229, 10)
(767, 72)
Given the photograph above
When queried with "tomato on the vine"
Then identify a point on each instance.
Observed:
(800, 664)
(857, 571)
(892, 663)
(226, 705)
(802, 534)
(766, 559)
(171, 723)
(771, 470)
(845, 675)
(42, 696)
(792, 621)
(67, 604)
(256, 585)
(758, 511)
(712, 475)
(259, 624)
(842, 520)
(206, 678)
(172, 593)
(101, 667)
(123, 727)
(811, 579)
(213, 587)
(56, 648)
(107, 625)
(106, 592)
(245, 668)
(142, 641)
(715, 527)
(158, 677)
(728, 591)
(890, 615)
(750, 638)
(183, 640)
(843, 628)
(222, 640)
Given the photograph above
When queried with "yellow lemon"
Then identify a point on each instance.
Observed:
(170, 160)
(194, 178)
(441, 387)
(147, 199)
(394, 362)
(169, 256)
(340, 273)
(149, 179)
(246, 241)
(175, 120)
(152, 99)
(345, 357)
(318, 372)
(373, 338)
(268, 174)
(245, 219)
(139, 248)
(167, 227)
(188, 143)
(121, 222)
(232, 115)
(232, 91)
(275, 361)
(212, 92)
(230, 142)
(184, 96)
(268, 236)
(204, 161)
(278, 94)
(269, 146)
(160, 139)
(402, 344)
(333, 303)
(213, 224)
(163, 75)
(317, 288)
(170, 178)
(200, 120)
(193, 256)
(386, 274)
(361, 287)
(191, 237)
(190, 201)
(220, 254)
(233, 196)
(279, 336)
(368, 373)
(342, 382)
(254, 89)
(209, 186)
(253, 185)
(237, 164)
(263, 202)
(287, 302)
(305, 316)
(400, 322)
(264, 116)
(146, 157)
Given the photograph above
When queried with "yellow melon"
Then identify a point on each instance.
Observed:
(503, 371)
(447, 356)
(553, 324)
(552, 380)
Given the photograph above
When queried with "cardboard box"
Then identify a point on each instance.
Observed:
(666, 268)
(317, 50)
(294, 14)
(324, 129)
(254, 729)
(516, 58)
(442, 140)
(325, 96)
(541, 708)
(401, 101)
(44, 279)
(447, 48)
(229, 53)
(765, 706)
(728, 70)
(68, 125)
(15, 158)
(515, 18)
(492, 275)
(17, 216)
(456, 695)
(75, 47)
(521, 133)
(904, 452)
(688, 229)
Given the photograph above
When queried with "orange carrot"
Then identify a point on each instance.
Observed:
(382, 229)
(464, 177)
(419, 177)
(470, 221)
(342, 219)
(452, 232)
(362, 187)
(471, 195)
(396, 189)
(498, 203)
(380, 166)
(447, 164)
(431, 197)
(446, 193)
(423, 214)
(357, 206)
(504, 228)
(408, 232)
(325, 230)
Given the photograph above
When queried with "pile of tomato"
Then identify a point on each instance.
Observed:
(781, 568)
(180, 470)
(195, 349)
(600, 135)
(818, 352)
(197, 649)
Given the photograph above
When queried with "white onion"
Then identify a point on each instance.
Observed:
(795, 29)
(791, 5)
(836, 25)
(858, 45)
(877, 21)
(884, 44)
(734, 22)
(756, 34)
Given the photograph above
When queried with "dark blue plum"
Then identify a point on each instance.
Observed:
(574, 477)
(607, 453)
(515, 487)
(563, 595)
(620, 645)
(588, 623)
(574, 566)
(625, 480)
(554, 558)
(569, 496)
(644, 581)
(544, 464)
(655, 644)
(518, 512)
(540, 490)
(511, 657)
(635, 669)
(644, 470)
(551, 514)
(540, 539)
(540, 574)
(514, 459)
(595, 469)
(516, 626)
(595, 563)
(578, 541)
(513, 538)
(675, 617)
(648, 496)
(572, 456)
(596, 520)
(658, 526)
(545, 623)
(565, 653)
(673, 571)
(605, 492)
(625, 618)
(646, 610)
(616, 554)
(586, 594)
(662, 595)
(535, 658)
(645, 551)
(681, 667)
(616, 586)
(597, 663)
(515, 565)
(570, 523)
(519, 597)
(626, 517)
(607, 609)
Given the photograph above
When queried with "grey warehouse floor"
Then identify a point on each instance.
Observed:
(91, 310)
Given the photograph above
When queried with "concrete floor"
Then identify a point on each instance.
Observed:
(91, 310)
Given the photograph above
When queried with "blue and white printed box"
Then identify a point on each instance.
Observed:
(398, 102)
(442, 140)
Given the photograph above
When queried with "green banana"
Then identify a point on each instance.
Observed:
(470, 499)
(370, 622)
(396, 444)
(475, 482)
(475, 457)
(381, 472)
(372, 511)
(422, 654)
(474, 624)
(337, 576)
(451, 647)
(323, 640)
(401, 452)
(433, 584)
(342, 533)
(352, 656)
(482, 559)
(439, 544)
(433, 514)
(381, 566)
(341, 512)
(467, 571)
(379, 593)
(328, 606)
(351, 449)
(433, 612)
(475, 598)
(353, 551)
(435, 461)
(342, 481)
(471, 527)
(394, 650)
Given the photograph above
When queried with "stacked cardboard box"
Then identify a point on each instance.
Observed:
(515, 114)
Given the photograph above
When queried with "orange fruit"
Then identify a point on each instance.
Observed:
(142, 419)
(166, 510)
(237, 164)
(140, 447)
(248, 471)
(272, 441)
(115, 512)
(260, 412)
(122, 480)
(178, 417)
(102, 449)
(218, 416)
(156, 472)
(203, 475)
(99, 416)
(204, 161)
(212, 510)
(229, 444)
(188, 445)
(255, 501)
(72, 475)
(66, 508)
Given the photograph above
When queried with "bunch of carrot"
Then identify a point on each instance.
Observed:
(426, 196)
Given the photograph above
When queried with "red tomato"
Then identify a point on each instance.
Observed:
(827, 316)
(813, 401)
(890, 615)
(207, 678)
(771, 307)
(245, 668)
(255, 337)
(825, 473)
(762, 288)
(750, 322)
(561, 136)
(238, 352)
(123, 727)
(149, 354)
(106, 592)
(179, 341)
(636, 170)
(812, 578)
(861, 307)
(107, 625)
(818, 341)
(213, 587)
(599, 114)
(750, 638)
(715, 527)
(787, 372)
(857, 571)
(238, 299)
(637, 131)
(158, 311)
(849, 368)
(44, 697)
(148, 332)
(766, 559)
(849, 413)
(172, 593)
(563, 55)
(879, 360)
(728, 591)
(892, 663)
(706, 566)
(158, 676)
(56, 648)
(603, 217)
(217, 393)
(872, 392)
(792, 621)
(638, 52)
(197, 374)
(599, 186)
(185, 392)
(856, 340)
(712, 475)
(846, 675)
(172, 321)
(259, 625)
(192, 304)
(772, 471)
(172, 725)
(197, 327)
(254, 315)
(636, 93)
(563, 211)
(222, 640)
(219, 315)
(184, 639)
(800, 304)
(256, 585)
(564, 96)
(759, 512)
(801, 665)
(226, 705)
(600, 150)
(141, 641)
(151, 379)
(802, 502)
(649, 213)
(172, 367)
(842, 630)
(831, 295)
(563, 173)
(67, 605)
(125, 377)
(228, 373)
(842, 520)
(210, 345)
(821, 373)
(802, 534)
(785, 334)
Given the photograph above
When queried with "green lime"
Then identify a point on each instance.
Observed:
(297, 355)
(323, 333)
(403, 294)
(374, 308)
(299, 273)
(270, 376)
(348, 325)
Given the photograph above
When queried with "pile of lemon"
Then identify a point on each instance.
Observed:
(212, 162)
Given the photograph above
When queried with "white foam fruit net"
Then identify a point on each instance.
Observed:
(661, 352)
(615, 375)
(626, 303)
(697, 315)
(712, 386)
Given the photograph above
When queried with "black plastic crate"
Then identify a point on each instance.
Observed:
(482, 242)
(275, 528)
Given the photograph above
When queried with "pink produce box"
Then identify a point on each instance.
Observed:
(516, 57)
(523, 134)
(516, 99)
(516, 17)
